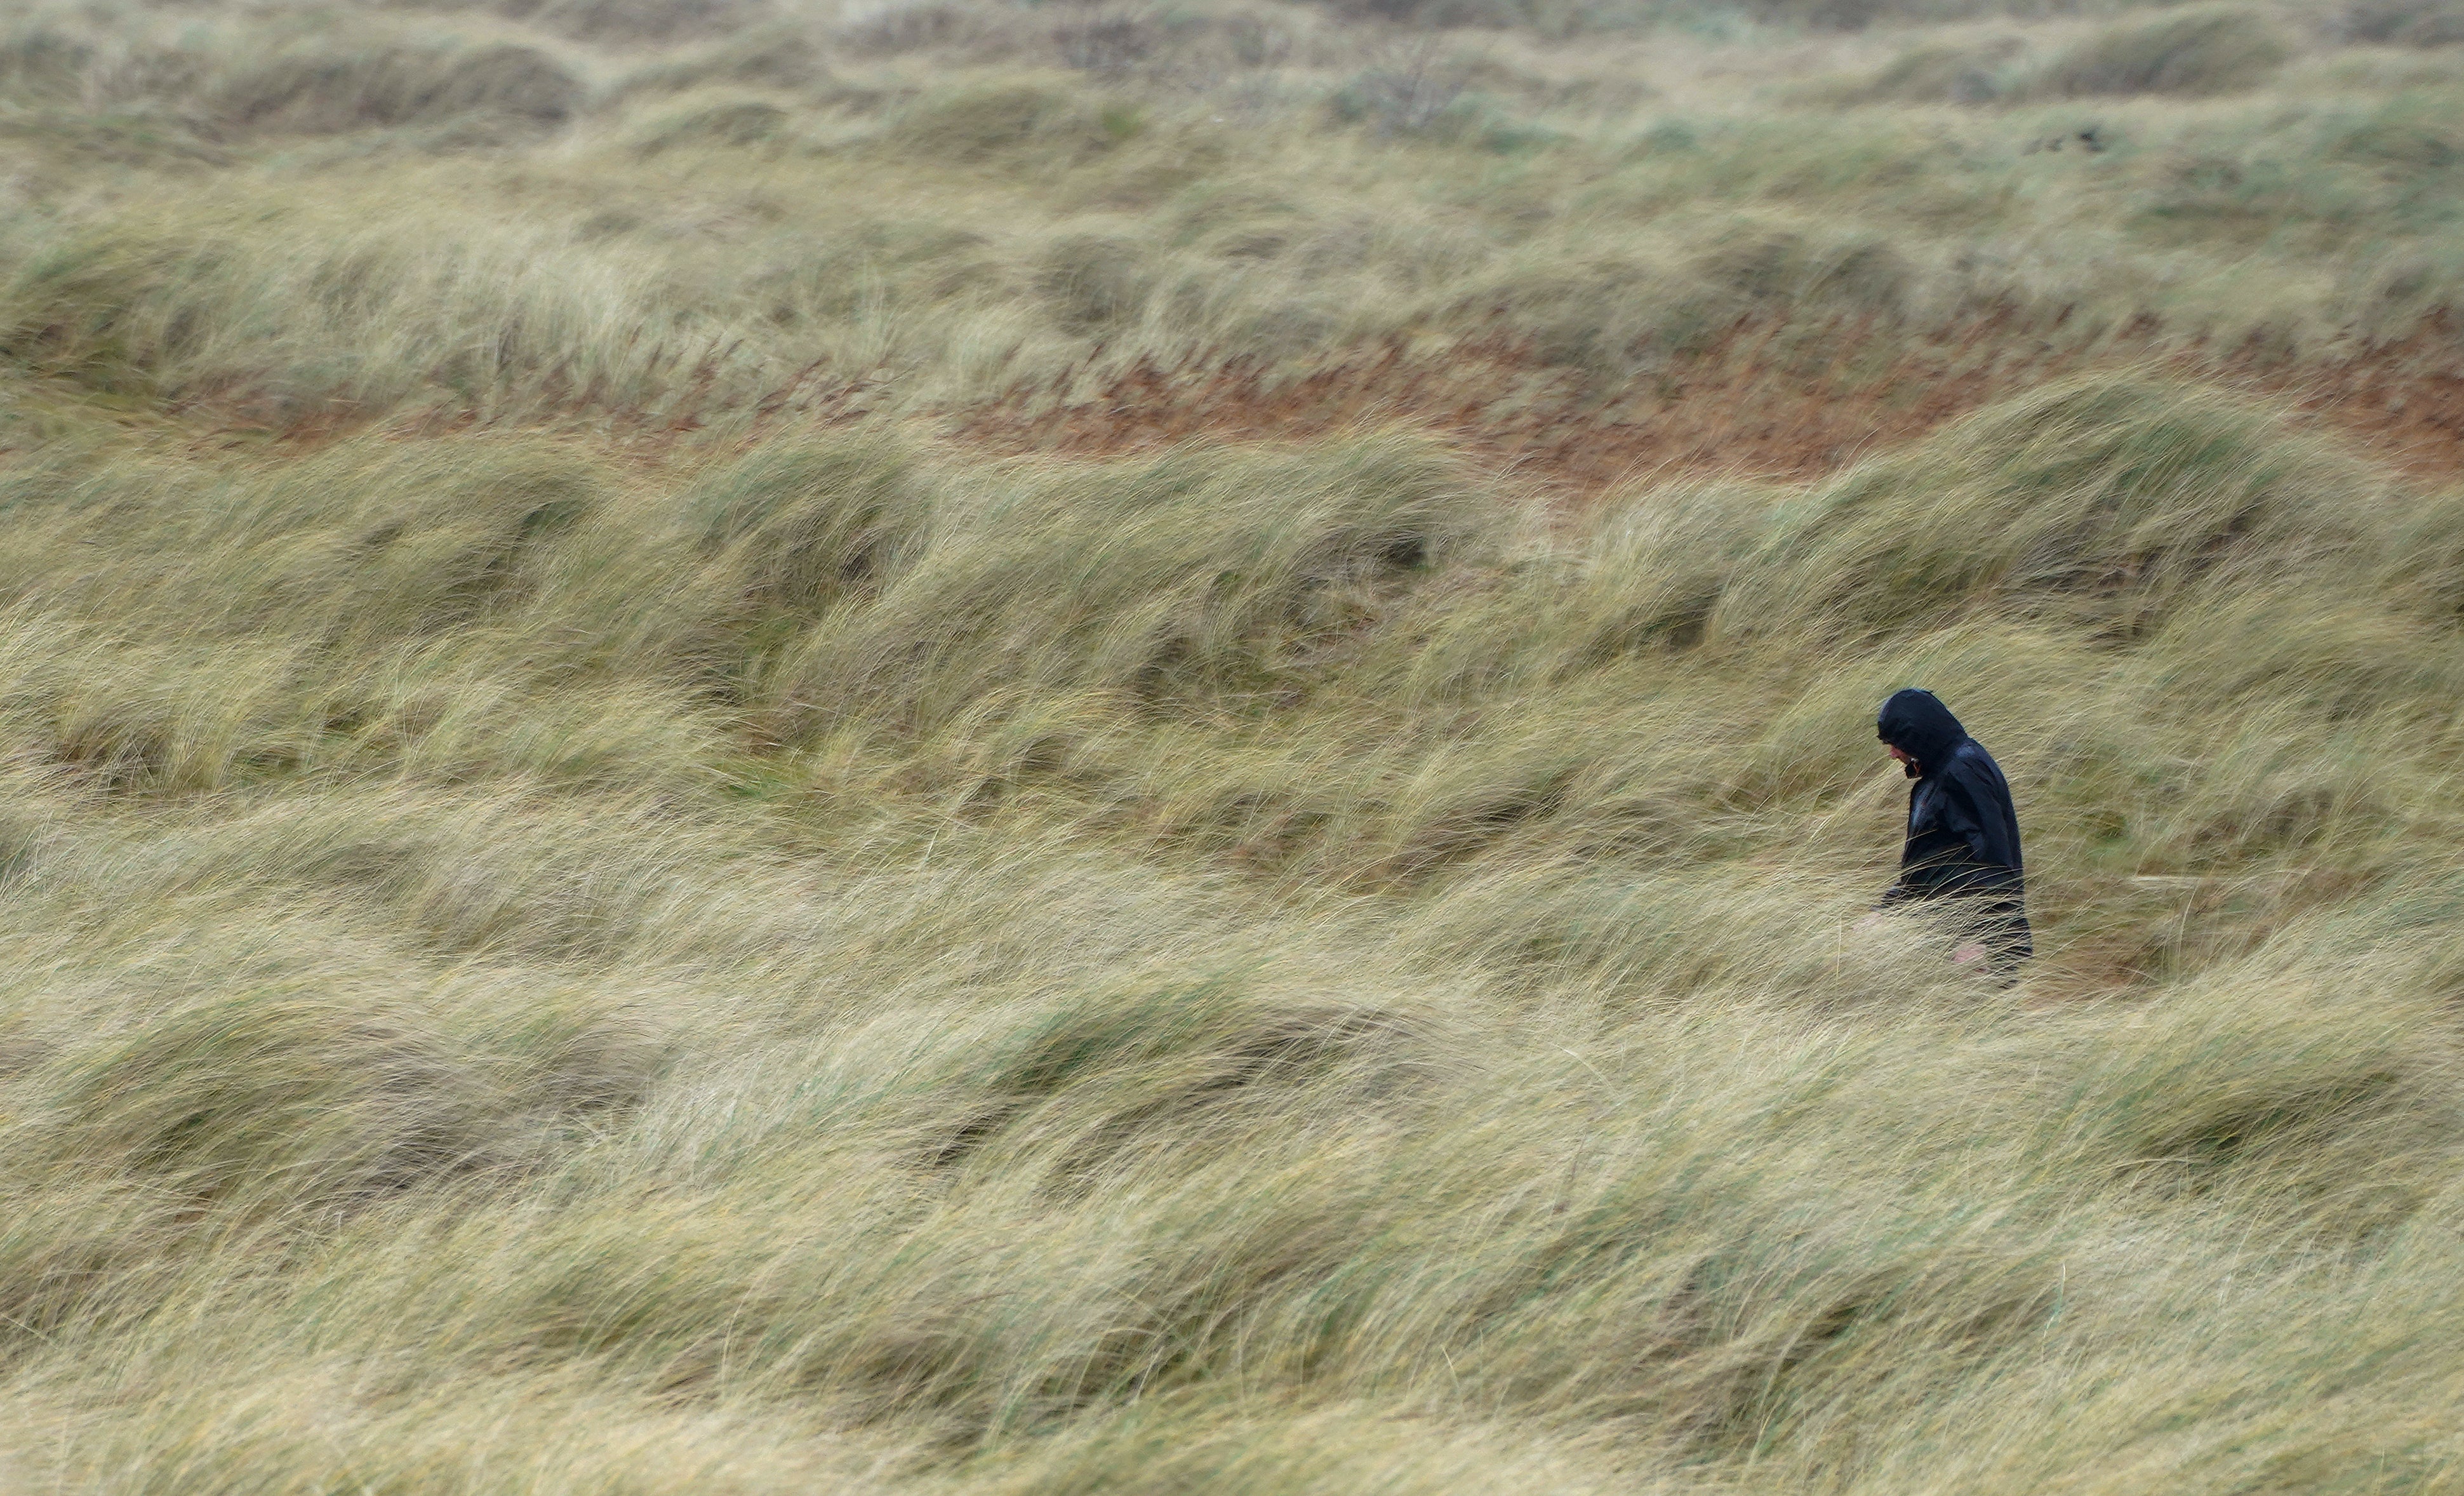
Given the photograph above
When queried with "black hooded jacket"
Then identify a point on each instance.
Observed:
(1962, 839)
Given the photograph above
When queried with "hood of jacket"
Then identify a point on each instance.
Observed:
(1919, 725)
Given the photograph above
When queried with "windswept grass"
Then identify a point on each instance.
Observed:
(2216, 51)
(601, 896)
(850, 964)
(469, 218)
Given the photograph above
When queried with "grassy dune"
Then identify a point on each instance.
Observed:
(601, 897)
(332, 213)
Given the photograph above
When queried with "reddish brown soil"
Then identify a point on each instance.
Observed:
(1769, 403)
(1755, 407)
(2411, 416)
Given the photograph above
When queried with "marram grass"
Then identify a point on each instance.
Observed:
(853, 966)
(596, 898)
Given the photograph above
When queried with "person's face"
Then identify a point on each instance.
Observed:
(1900, 756)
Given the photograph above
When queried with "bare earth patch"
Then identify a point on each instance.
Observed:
(1754, 406)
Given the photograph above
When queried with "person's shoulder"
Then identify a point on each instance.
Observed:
(1970, 760)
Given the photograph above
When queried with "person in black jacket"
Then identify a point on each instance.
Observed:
(1963, 832)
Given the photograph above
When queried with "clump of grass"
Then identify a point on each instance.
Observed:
(1975, 73)
(2151, 488)
(2198, 51)
(373, 316)
(978, 126)
(1109, 42)
(2405, 23)
(798, 525)
(39, 61)
(324, 91)
(763, 57)
(726, 123)
(1095, 282)
(1191, 573)
(909, 26)
(636, 21)
(1411, 94)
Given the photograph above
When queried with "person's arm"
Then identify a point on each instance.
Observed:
(1948, 812)
(1905, 887)
(1973, 810)
(1960, 815)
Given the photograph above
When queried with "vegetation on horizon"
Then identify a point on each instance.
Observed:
(309, 214)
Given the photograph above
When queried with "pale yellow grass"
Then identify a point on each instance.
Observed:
(547, 952)
(804, 225)
(850, 966)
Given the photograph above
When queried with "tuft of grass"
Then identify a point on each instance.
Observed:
(728, 122)
(1191, 573)
(38, 61)
(759, 57)
(638, 21)
(2104, 497)
(1975, 73)
(2195, 52)
(2405, 23)
(326, 92)
(978, 126)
